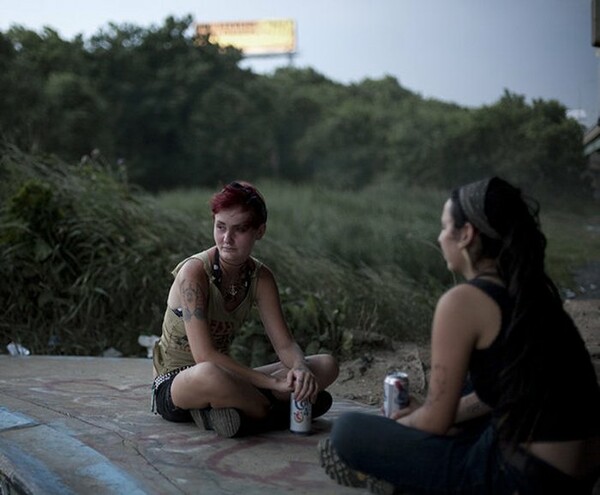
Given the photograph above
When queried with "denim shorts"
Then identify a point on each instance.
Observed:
(163, 402)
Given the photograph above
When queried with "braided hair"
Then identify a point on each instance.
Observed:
(539, 324)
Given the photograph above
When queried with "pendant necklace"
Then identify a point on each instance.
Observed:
(235, 288)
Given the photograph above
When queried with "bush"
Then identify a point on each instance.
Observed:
(85, 259)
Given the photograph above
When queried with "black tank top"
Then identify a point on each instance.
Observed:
(486, 364)
(573, 412)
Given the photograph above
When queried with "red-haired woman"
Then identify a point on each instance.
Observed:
(209, 300)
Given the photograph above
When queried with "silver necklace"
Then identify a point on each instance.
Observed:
(234, 288)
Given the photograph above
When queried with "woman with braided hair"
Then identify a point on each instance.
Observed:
(504, 329)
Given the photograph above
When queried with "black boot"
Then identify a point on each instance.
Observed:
(278, 417)
(322, 404)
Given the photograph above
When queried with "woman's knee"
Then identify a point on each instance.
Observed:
(346, 428)
(347, 436)
(207, 372)
(331, 365)
(325, 367)
(203, 379)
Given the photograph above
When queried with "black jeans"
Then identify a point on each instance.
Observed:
(423, 463)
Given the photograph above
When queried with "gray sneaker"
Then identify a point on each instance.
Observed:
(225, 421)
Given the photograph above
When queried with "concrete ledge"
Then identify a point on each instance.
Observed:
(41, 459)
(83, 425)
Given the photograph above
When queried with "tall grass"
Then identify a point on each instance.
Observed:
(85, 259)
(368, 259)
(373, 255)
(573, 242)
(383, 227)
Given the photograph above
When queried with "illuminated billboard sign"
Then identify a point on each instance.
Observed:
(267, 37)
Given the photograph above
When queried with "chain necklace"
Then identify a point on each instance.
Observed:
(238, 287)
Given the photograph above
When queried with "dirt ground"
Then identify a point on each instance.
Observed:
(362, 379)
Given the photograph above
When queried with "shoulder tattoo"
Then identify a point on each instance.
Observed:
(192, 300)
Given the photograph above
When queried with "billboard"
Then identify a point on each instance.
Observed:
(266, 37)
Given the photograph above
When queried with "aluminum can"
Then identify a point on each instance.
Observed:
(395, 392)
(300, 416)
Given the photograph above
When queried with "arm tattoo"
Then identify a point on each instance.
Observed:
(193, 305)
(440, 378)
(476, 408)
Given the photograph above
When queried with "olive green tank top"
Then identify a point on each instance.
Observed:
(173, 351)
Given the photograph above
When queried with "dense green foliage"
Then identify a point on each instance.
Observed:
(85, 259)
(179, 112)
(82, 256)
(86, 262)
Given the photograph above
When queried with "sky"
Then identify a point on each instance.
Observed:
(462, 51)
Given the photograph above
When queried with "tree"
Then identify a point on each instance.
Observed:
(180, 112)
(29, 61)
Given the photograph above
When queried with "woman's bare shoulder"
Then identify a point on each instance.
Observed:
(192, 271)
(462, 294)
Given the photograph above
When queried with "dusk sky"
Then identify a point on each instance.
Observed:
(462, 51)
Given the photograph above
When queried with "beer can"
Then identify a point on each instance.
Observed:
(395, 392)
(300, 416)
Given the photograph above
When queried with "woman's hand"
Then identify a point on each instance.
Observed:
(303, 383)
(413, 405)
(281, 385)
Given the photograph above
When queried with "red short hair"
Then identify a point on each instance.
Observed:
(244, 194)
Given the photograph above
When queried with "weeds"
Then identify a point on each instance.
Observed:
(86, 259)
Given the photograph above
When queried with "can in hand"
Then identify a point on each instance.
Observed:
(300, 416)
(395, 392)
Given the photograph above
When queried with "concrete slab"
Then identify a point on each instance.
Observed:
(83, 425)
